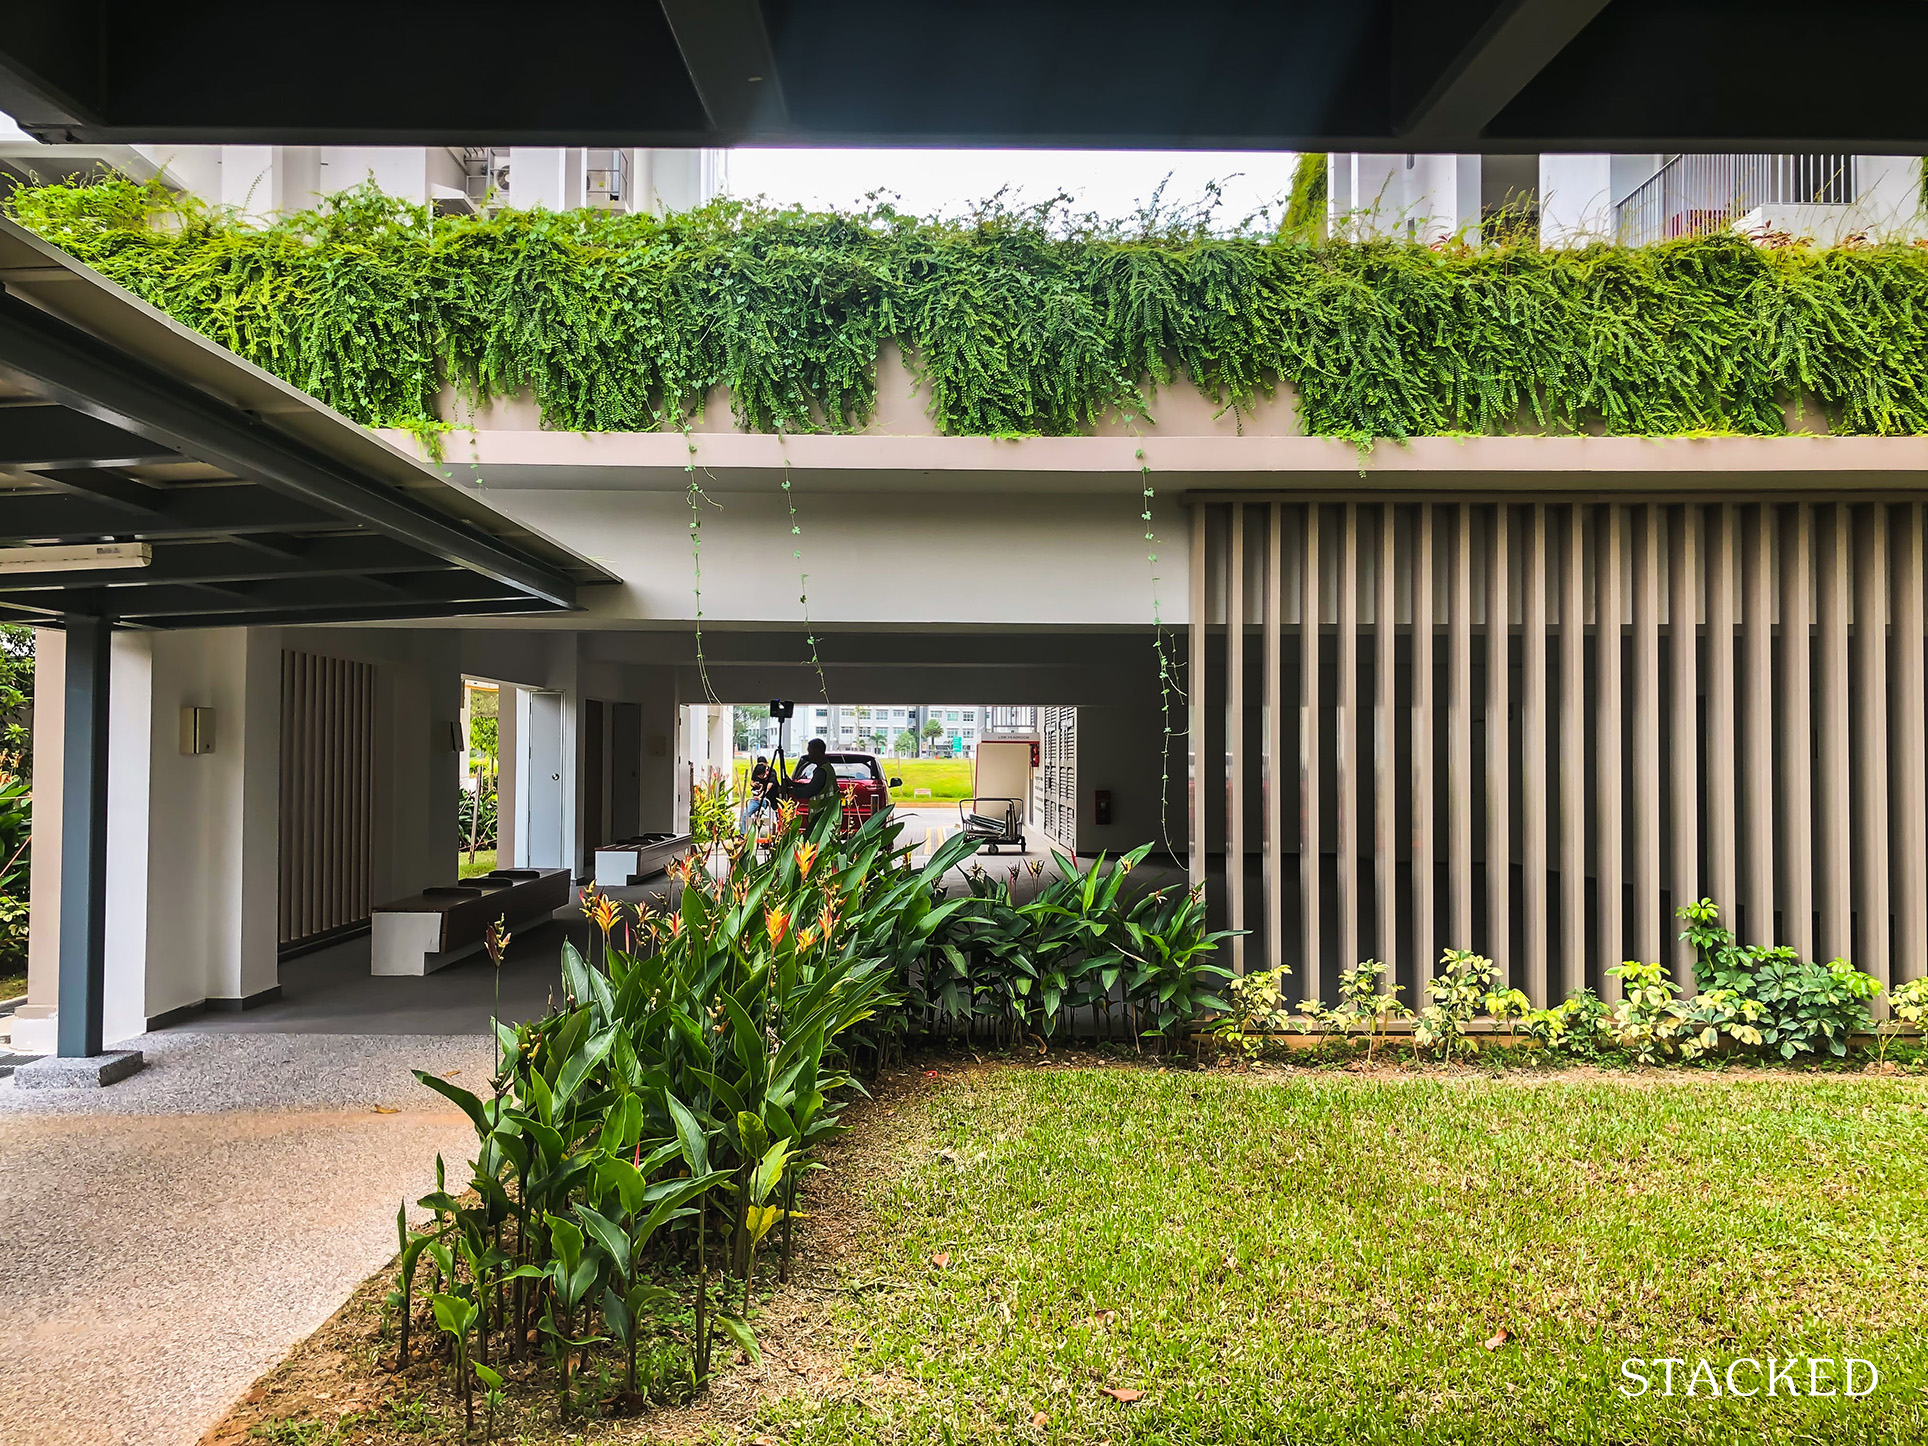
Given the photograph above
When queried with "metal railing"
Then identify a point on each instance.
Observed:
(1695, 195)
(605, 178)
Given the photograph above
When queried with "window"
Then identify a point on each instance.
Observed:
(970, 714)
(951, 717)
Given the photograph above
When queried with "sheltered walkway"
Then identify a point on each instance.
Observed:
(170, 1239)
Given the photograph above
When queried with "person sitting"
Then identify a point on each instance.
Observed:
(815, 783)
(762, 784)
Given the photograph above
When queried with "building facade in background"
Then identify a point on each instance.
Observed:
(1570, 200)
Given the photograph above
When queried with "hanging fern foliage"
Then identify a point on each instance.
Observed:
(1020, 321)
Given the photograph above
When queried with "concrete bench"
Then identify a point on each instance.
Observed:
(631, 860)
(419, 935)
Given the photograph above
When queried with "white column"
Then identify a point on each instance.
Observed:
(1576, 199)
(538, 176)
(34, 1022)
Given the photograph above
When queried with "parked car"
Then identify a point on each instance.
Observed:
(861, 781)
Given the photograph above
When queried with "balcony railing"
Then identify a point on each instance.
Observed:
(1695, 195)
(605, 178)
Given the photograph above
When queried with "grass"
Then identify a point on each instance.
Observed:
(1394, 1258)
(13, 981)
(484, 863)
(946, 778)
(1307, 1256)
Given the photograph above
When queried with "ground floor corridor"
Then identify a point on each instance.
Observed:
(169, 1239)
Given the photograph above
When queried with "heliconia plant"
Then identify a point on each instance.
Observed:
(657, 1124)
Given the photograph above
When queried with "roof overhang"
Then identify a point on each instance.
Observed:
(257, 503)
(1245, 465)
(1375, 75)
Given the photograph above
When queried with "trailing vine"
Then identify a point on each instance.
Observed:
(803, 578)
(1020, 321)
(696, 494)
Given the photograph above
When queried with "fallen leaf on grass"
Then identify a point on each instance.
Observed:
(1499, 1338)
(1122, 1393)
(1104, 1317)
(1040, 1419)
(941, 1260)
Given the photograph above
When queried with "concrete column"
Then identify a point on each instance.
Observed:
(130, 751)
(546, 176)
(1576, 199)
(33, 1022)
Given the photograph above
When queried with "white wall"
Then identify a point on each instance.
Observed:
(545, 176)
(1576, 199)
(1414, 196)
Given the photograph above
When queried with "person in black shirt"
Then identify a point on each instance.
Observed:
(815, 780)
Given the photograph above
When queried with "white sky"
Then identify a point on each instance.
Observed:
(1112, 183)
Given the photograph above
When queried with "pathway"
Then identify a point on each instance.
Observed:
(168, 1239)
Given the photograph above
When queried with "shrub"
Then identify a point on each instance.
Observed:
(1255, 1008)
(657, 1124)
(1362, 1004)
(1577, 1027)
(479, 813)
(1457, 995)
(1805, 1007)
(1084, 942)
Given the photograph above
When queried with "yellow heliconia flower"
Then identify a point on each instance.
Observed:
(806, 855)
(777, 922)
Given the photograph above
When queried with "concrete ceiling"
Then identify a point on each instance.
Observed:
(1374, 75)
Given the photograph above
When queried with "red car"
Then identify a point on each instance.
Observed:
(861, 782)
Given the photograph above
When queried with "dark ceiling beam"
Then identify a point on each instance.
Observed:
(727, 50)
(453, 589)
(223, 561)
(80, 372)
(28, 516)
(305, 598)
(110, 487)
(345, 613)
(51, 436)
(1452, 110)
(39, 105)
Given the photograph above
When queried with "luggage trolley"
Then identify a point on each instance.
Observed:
(993, 821)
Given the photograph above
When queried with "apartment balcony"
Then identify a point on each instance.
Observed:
(605, 180)
(1696, 195)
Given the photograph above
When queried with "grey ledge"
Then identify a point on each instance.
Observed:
(83, 1072)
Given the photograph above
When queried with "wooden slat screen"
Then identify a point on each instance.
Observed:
(327, 793)
(1696, 697)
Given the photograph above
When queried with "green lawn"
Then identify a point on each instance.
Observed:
(1324, 1257)
(484, 863)
(12, 985)
(946, 778)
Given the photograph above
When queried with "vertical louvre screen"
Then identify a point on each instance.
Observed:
(1535, 728)
(327, 786)
(1059, 727)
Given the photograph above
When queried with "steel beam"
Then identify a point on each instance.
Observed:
(66, 365)
(83, 840)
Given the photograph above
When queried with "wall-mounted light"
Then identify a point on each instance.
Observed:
(197, 730)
